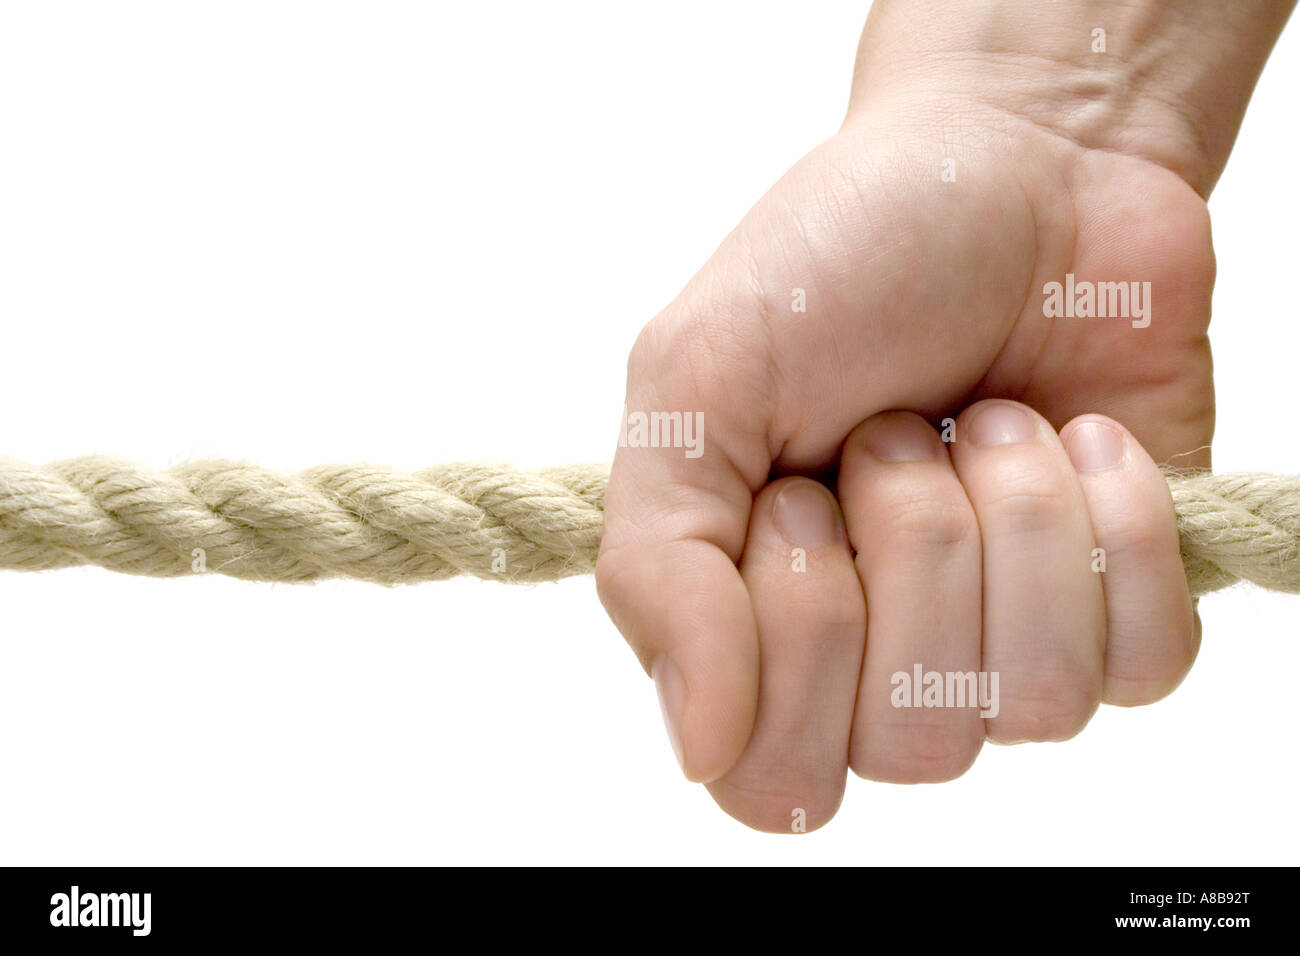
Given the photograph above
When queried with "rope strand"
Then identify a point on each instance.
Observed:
(487, 520)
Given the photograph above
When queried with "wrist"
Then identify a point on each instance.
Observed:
(1163, 80)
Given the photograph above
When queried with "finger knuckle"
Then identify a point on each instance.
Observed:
(930, 513)
(1144, 666)
(773, 800)
(1050, 710)
(1140, 534)
(917, 754)
(618, 586)
(932, 523)
(1027, 501)
(688, 356)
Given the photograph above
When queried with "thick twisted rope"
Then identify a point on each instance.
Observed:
(488, 520)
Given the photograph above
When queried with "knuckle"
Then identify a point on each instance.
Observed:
(818, 622)
(840, 623)
(700, 361)
(772, 800)
(611, 583)
(1051, 711)
(1028, 501)
(932, 523)
(690, 353)
(1141, 534)
(620, 589)
(931, 754)
(1142, 668)
(1126, 690)
(651, 352)
(929, 513)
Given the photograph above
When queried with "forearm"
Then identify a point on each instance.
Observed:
(1168, 80)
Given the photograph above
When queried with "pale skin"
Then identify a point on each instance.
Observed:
(924, 301)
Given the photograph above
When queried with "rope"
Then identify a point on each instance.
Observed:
(488, 520)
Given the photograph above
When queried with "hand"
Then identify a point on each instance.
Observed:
(995, 540)
(926, 292)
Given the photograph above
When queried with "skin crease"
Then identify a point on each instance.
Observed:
(926, 296)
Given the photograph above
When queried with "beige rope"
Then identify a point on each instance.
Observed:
(488, 520)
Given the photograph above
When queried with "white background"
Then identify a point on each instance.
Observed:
(413, 233)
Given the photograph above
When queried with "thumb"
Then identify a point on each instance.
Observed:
(676, 511)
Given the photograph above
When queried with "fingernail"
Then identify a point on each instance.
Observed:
(1002, 424)
(672, 696)
(804, 513)
(1095, 446)
(894, 439)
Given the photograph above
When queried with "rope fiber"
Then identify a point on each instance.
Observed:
(487, 520)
